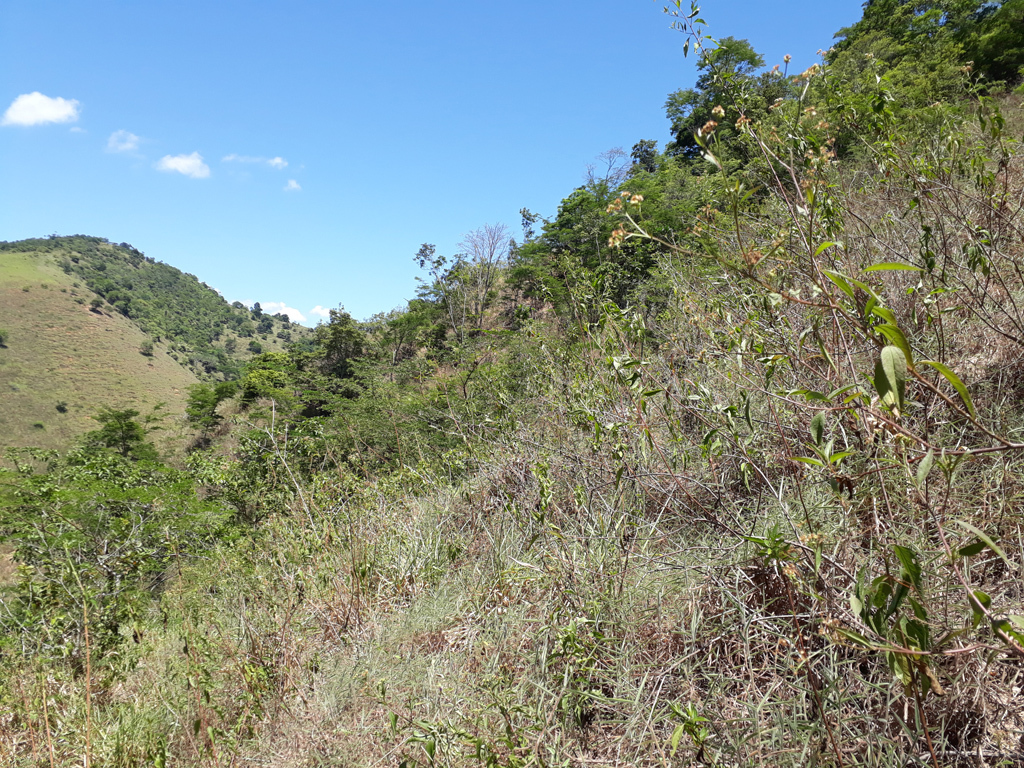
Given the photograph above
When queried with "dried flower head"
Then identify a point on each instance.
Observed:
(709, 128)
(787, 58)
(718, 111)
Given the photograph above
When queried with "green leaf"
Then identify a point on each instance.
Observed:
(818, 427)
(895, 335)
(958, 385)
(838, 456)
(823, 246)
(809, 460)
(891, 378)
(924, 468)
(841, 280)
(911, 568)
(971, 549)
(988, 542)
(677, 734)
(856, 637)
(979, 601)
(891, 265)
(884, 313)
(856, 604)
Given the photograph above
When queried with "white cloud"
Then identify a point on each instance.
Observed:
(189, 165)
(279, 307)
(273, 162)
(36, 109)
(122, 141)
(292, 186)
(320, 311)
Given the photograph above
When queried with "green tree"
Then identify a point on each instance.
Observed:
(203, 400)
(124, 433)
(339, 343)
(726, 89)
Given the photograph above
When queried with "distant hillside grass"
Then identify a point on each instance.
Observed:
(59, 351)
(79, 313)
(202, 331)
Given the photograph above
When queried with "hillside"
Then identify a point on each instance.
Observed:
(88, 325)
(718, 466)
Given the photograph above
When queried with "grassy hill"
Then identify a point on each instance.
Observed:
(88, 324)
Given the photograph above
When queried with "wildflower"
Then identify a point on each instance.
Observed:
(743, 120)
(636, 199)
(615, 205)
(617, 237)
(709, 128)
(787, 58)
(718, 111)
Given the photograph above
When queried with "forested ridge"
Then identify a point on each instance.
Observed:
(718, 465)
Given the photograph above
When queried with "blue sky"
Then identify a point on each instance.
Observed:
(298, 153)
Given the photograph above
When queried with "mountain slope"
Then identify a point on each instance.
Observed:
(88, 324)
(58, 350)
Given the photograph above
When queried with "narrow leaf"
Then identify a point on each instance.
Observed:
(808, 460)
(911, 568)
(988, 542)
(841, 280)
(924, 468)
(971, 549)
(891, 265)
(885, 314)
(958, 385)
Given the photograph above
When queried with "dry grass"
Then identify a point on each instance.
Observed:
(62, 351)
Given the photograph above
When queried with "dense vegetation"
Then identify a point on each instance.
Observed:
(718, 466)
